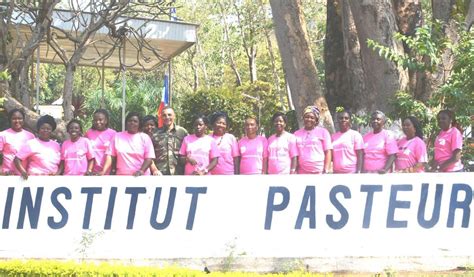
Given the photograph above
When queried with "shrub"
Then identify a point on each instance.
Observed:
(39, 268)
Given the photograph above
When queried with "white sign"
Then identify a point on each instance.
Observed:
(297, 216)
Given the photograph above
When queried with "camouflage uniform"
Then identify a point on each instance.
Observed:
(167, 144)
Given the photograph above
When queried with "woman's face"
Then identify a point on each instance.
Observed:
(99, 121)
(44, 131)
(250, 127)
(74, 130)
(149, 126)
(444, 121)
(133, 124)
(344, 121)
(408, 128)
(200, 127)
(377, 122)
(220, 126)
(17, 121)
(279, 124)
(310, 120)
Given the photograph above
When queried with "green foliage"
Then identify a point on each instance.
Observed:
(54, 268)
(456, 94)
(263, 101)
(209, 101)
(40, 268)
(405, 105)
(251, 99)
(143, 95)
(426, 46)
(5, 75)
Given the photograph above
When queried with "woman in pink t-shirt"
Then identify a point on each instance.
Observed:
(448, 144)
(253, 150)
(348, 147)
(149, 125)
(314, 144)
(380, 146)
(282, 150)
(228, 163)
(132, 149)
(41, 154)
(411, 156)
(199, 151)
(100, 136)
(76, 152)
(11, 140)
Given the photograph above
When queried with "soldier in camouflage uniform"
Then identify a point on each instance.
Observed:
(167, 142)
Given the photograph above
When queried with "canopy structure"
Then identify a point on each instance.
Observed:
(150, 44)
(153, 43)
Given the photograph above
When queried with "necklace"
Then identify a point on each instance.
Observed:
(220, 140)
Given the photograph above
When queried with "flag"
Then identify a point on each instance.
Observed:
(165, 94)
(173, 14)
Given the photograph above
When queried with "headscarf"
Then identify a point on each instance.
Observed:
(46, 119)
(312, 109)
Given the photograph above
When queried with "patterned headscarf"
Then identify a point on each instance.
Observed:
(312, 109)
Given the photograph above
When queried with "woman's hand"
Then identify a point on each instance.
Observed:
(191, 160)
(382, 171)
(24, 175)
(138, 173)
(156, 173)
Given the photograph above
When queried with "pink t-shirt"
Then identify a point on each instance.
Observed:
(131, 151)
(101, 141)
(76, 156)
(252, 153)
(311, 146)
(377, 148)
(43, 157)
(228, 149)
(410, 153)
(202, 149)
(345, 146)
(10, 143)
(280, 152)
(446, 142)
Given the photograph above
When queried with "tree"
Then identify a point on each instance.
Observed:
(375, 20)
(84, 19)
(470, 15)
(209, 101)
(297, 59)
(37, 16)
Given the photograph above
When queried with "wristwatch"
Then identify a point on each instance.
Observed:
(205, 170)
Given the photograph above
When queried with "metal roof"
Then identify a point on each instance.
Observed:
(162, 41)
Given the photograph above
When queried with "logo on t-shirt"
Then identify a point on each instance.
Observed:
(442, 141)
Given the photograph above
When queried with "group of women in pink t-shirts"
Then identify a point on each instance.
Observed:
(310, 150)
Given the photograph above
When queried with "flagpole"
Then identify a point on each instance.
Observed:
(170, 75)
(170, 84)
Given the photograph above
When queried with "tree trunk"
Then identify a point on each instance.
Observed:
(337, 91)
(203, 65)
(233, 65)
(442, 11)
(470, 15)
(67, 92)
(266, 32)
(375, 19)
(409, 17)
(252, 57)
(353, 62)
(298, 62)
(19, 67)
